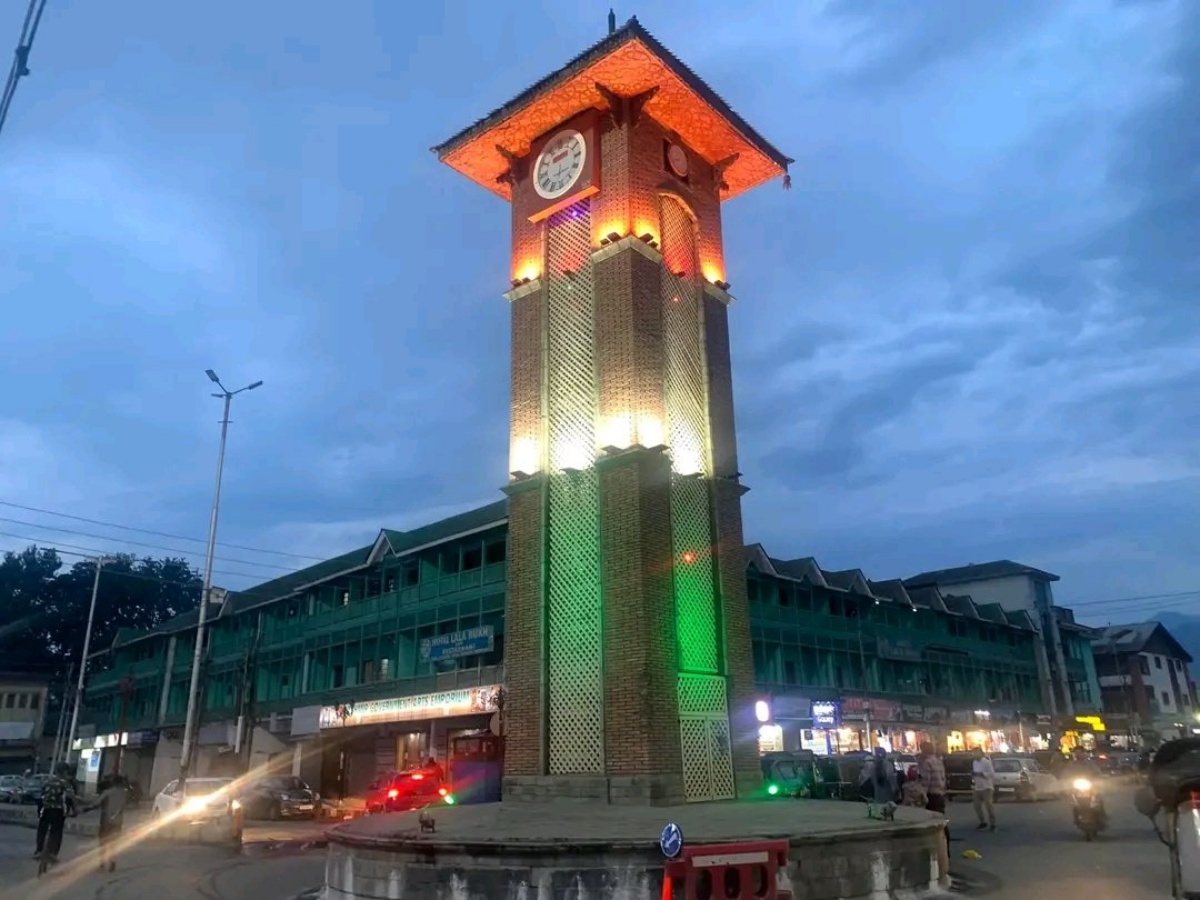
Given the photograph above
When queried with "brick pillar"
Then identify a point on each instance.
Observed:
(524, 709)
(727, 494)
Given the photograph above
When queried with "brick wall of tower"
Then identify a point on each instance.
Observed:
(523, 652)
(641, 723)
(641, 730)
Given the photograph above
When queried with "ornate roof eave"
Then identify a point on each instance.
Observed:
(630, 32)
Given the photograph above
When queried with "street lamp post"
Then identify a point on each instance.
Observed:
(189, 728)
(87, 642)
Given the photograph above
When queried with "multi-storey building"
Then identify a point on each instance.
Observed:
(378, 658)
(1065, 667)
(1148, 691)
(23, 701)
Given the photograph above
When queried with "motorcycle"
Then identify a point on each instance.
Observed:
(1174, 790)
(1088, 808)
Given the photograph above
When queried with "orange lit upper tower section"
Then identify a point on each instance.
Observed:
(627, 644)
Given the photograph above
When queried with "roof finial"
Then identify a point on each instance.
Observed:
(612, 21)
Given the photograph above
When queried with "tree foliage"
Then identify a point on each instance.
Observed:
(44, 604)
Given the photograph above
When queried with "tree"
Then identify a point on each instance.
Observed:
(44, 608)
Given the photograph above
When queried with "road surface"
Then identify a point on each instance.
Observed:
(1036, 851)
(272, 865)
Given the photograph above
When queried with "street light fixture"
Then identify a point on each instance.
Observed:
(189, 728)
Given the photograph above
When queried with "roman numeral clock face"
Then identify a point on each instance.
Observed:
(559, 165)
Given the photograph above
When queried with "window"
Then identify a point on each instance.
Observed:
(411, 573)
(450, 562)
(472, 558)
(789, 672)
(1178, 665)
(1158, 662)
(1166, 698)
(345, 601)
(10, 701)
(785, 597)
(495, 552)
(1144, 665)
(35, 700)
(339, 676)
(22, 701)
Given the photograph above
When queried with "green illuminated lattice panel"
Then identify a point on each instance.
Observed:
(687, 428)
(705, 738)
(574, 632)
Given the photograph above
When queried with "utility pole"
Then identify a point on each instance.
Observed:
(125, 689)
(60, 732)
(87, 641)
(862, 659)
(189, 728)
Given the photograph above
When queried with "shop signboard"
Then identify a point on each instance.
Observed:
(461, 702)
(469, 642)
(899, 649)
(825, 713)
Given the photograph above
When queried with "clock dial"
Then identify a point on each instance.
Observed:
(677, 159)
(559, 165)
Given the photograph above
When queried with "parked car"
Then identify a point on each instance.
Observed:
(11, 788)
(32, 790)
(1022, 778)
(280, 797)
(197, 800)
(400, 791)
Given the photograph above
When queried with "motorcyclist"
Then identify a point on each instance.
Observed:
(57, 800)
(1080, 765)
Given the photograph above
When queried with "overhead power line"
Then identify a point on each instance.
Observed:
(20, 66)
(152, 532)
(132, 543)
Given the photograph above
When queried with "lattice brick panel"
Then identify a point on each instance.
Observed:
(721, 757)
(702, 695)
(697, 777)
(687, 429)
(695, 581)
(705, 738)
(575, 638)
(686, 393)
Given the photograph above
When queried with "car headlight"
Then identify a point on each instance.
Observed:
(1082, 785)
(194, 805)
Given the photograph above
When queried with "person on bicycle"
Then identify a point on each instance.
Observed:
(58, 798)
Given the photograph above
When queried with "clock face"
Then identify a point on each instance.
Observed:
(560, 164)
(677, 159)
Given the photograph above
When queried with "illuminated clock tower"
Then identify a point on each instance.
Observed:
(627, 639)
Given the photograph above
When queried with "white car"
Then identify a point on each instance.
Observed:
(199, 800)
(1022, 778)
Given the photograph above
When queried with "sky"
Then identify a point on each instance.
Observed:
(968, 332)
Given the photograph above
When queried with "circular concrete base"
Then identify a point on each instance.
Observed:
(584, 851)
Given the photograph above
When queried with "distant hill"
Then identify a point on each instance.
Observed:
(1186, 630)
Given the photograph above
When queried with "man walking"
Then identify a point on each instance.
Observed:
(983, 785)
(932, 772)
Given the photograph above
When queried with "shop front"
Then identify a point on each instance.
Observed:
(360, 741)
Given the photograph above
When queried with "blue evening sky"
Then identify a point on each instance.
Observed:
(969, 332)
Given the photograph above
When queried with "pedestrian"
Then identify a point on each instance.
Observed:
(878, 779)
(983, 786)
(932, 772)
(58, 797)
(111, 803)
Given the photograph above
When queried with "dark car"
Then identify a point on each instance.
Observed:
(280, 797)
(959, 773)
(32, 790)
(401, 791)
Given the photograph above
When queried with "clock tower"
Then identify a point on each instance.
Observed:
(629, 675)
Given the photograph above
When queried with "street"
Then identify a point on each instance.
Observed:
(1036, 851)
(265, 869)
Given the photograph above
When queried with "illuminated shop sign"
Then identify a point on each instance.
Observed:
(462, 702)
(824, 714)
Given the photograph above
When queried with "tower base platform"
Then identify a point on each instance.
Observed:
(587, 851)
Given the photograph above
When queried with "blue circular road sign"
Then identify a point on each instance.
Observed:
(671, 841)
